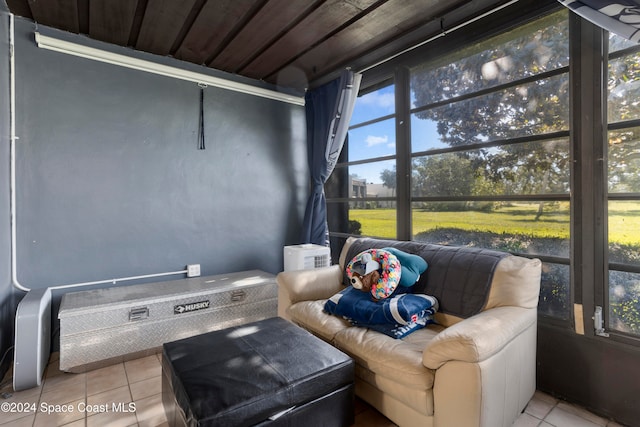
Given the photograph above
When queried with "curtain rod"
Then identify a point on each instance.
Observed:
(441, 34)
(70, 48)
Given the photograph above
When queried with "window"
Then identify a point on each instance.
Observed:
(623, 170)
(494, 154)
(491, 151)
(370, 165)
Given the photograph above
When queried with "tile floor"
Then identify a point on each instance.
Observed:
(131, 393)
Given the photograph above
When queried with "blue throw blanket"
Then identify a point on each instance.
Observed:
(396, 316)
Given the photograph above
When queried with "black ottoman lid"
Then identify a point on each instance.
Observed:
(245, 374)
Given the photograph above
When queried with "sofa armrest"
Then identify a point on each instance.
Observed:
(307, 285)
(478, 337)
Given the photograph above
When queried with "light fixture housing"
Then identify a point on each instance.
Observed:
(70, 48)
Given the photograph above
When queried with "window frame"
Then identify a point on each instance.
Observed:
(334, 196)
(588, 139)
(603, 297)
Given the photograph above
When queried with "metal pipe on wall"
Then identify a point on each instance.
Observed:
(12, 186)
(12, 142)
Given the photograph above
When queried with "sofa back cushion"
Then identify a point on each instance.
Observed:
(516, 282)
(465, 280)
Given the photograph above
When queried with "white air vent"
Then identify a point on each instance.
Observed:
(32, 339)
(306, 257)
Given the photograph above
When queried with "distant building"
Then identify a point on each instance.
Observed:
(360, 190)
(357, 190)
(380, 190)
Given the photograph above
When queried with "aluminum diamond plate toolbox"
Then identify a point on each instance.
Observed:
(104, 326)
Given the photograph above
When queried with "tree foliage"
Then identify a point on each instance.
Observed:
(492, 105)
(536, 107)
(388, 177)
(623, 86)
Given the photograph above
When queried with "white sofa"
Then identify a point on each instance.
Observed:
(473, 371)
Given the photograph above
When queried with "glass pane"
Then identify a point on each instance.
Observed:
(452, 174)
(379, 178)
(541, 167)
(624, 88)
(375, 140)
(624, 239)
(338, 216)
(533, 109)
(374, 104)
(624, 302)
(424, 133)
(373, 218)
(624, 161)
(528, 50)
(555, 298)
(619, 43)
(524, 227)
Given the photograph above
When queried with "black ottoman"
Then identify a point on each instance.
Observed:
(269, 372)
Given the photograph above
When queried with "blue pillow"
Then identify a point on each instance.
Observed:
(411, 266)
(406, 311)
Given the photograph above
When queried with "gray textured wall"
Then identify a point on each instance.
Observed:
(110, 182)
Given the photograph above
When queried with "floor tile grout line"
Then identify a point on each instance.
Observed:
(130, 391)
(86, 395)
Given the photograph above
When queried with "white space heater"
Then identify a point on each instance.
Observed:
(306, 257)
(32, 339)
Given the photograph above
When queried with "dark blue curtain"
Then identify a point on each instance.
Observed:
(621, 17)
(328, 110)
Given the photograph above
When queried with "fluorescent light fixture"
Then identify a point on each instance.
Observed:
(50, 43)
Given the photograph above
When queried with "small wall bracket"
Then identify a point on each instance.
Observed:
(598, 322)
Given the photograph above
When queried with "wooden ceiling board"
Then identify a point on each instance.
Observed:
(111, 20)
(162, 23)
(387, 22)
(266, 26)
(213, 26)
(83, 16)
(20, 8)
(294, 43)
(62, 14)
(310, 31)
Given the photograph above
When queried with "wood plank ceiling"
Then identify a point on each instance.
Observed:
(290, 43)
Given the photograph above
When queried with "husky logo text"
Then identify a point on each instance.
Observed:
(185, 308)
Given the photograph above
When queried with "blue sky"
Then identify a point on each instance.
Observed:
(379, 139)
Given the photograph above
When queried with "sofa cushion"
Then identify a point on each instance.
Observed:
(516, 282)
(310, 316)
(409, 382)
(398, 360)
(459, 277)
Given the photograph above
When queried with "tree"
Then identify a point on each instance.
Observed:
(388, 178)
(446, 175)
(623, 84)
(538, 107)
(624, 161)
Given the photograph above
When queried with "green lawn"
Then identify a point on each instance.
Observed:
(624, 221)
(514, 228)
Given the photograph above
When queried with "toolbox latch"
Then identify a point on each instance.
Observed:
(138, 314)
(237, 296)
